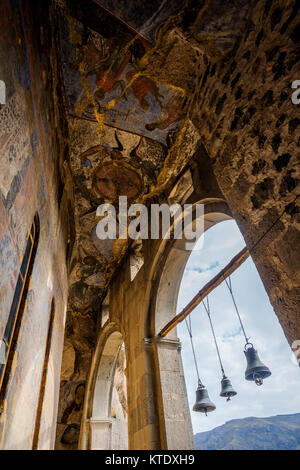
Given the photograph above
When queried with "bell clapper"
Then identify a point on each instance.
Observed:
(258, 379)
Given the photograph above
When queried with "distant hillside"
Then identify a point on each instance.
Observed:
(274, 433)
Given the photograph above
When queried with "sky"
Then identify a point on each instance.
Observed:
(279, 393)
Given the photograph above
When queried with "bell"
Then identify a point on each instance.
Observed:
(227, 390)
(256, 370)
(203, 403)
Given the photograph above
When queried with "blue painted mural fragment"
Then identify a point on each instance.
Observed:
(101, 68)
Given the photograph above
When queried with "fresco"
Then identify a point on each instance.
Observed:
(99, 71)
(29, 149)
(15, 151)
(119, 163)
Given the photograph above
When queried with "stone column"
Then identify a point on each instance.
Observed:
(143, 427)
(100, 433)
(179, 432)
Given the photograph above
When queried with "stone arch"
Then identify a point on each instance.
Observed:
(174, 416)
(99, 426)
(174, 265)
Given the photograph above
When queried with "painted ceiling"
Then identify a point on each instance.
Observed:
(102, 77)
(121, 124)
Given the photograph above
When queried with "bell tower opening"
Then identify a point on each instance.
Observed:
(209, 256)
(106, 420)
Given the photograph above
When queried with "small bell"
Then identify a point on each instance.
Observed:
(256, 370)
(203, 403)
(227, 390)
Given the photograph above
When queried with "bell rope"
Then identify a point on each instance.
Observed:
(189, 328)
(229, 285)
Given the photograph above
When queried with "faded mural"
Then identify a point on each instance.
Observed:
(28, 184)
(103, 79)
(143, 16)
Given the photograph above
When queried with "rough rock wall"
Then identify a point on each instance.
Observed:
(250, 128)
(31, 153)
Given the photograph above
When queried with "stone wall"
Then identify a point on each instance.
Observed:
(31, 152)
(250, 128)
(158, 411)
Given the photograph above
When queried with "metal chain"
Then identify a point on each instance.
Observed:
(229, 285)
(189, 328)
(207, 308)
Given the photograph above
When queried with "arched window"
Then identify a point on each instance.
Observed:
(9, 340)
(221, 242)
(106, 423)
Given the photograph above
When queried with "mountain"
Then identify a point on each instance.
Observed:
(275, 433)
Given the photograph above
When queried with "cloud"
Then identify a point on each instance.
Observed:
(204, 268)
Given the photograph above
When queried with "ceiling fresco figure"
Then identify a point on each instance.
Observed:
(107, 65)
(171, 113)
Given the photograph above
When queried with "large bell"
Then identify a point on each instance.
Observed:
(203, 403)
(227, 389)
(256, 370)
